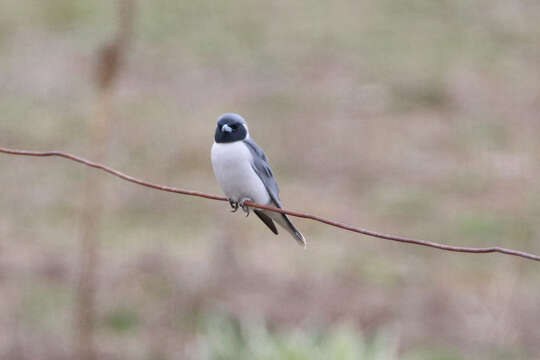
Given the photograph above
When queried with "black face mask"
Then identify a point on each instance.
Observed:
(228, 130)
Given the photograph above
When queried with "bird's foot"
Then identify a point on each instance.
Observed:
(244, 207)
(234, 205)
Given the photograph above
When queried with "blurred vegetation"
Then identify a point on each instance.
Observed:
(417, 118)
(225, 338)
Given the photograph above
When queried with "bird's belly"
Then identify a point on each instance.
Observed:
(236, 177)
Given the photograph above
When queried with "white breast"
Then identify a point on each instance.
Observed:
(236, 177)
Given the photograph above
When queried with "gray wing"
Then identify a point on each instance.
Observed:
(262, 168)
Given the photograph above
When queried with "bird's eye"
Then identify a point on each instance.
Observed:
(234, 126)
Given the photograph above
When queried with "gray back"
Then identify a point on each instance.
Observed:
(262, 168)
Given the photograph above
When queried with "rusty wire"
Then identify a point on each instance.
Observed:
(400, 239)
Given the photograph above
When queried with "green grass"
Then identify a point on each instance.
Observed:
(226, 339)
(43, 304)
(121, 321)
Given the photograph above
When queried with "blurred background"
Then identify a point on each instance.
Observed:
(418, 118)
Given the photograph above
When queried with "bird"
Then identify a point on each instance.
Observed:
(244, 173)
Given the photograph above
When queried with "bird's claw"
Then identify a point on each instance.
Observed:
(244, 207)
(234, 205)
(240, 204)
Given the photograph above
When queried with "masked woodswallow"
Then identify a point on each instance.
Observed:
(244, 174)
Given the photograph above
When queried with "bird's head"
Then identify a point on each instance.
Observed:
(230, 128)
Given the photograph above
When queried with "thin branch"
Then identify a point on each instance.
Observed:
(132, 179)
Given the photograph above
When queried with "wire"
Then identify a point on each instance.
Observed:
(400, 239)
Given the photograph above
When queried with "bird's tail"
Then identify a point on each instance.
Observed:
(300, 239)
(285, 223)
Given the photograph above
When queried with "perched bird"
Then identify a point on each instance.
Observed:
(243, 173)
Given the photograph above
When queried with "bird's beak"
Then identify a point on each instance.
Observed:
(226, 128)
